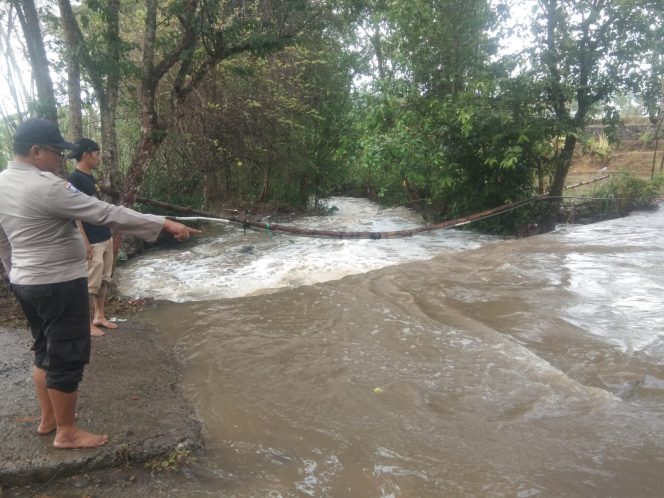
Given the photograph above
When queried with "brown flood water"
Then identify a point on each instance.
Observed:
(523, 368)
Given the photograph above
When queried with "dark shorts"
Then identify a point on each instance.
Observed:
(59, 319)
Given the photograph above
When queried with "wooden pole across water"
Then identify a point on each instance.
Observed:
(304, 232)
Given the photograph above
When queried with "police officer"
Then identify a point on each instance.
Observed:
(44, 255)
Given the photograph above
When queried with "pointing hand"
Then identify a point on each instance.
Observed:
(179, 231)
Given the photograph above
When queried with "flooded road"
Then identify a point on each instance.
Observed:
(513, 368)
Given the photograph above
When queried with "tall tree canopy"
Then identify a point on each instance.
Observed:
(280, 100)
(585, 52)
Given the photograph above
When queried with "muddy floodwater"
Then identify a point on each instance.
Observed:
(438, 366)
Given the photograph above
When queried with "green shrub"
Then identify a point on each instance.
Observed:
(624, 192)
(647, 137)
(658, 182)
(598, 147)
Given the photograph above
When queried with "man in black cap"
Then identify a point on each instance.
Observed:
(98, 238)
(44, 255)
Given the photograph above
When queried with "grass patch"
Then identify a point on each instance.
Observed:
(172, 461)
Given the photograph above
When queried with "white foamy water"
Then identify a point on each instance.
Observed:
(617, 275)
(226, 262)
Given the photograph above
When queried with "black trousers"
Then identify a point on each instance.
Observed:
(59, 319)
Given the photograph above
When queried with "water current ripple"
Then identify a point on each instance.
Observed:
(446, 365)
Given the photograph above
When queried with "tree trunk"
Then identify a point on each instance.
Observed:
(12, 80)
(136, 170)
(105, 85)
(74, 98)
(149, 130)
(228, 178)
(72, 50)
(111, 175)
(265, 192)
(108, 112)
(151, 138)
(27, 14)
(378, 51)
(562, 166)
(656, 139)
(550, 214)
(150, 133)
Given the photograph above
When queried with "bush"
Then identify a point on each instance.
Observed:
(598, 147)
(647, 138)
(624, 192)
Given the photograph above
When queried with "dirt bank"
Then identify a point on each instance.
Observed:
(130, 392)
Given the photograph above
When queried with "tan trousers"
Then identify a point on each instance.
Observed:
(100, 266)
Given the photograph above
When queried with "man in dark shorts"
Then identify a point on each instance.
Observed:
(98, 238)
(43, 253)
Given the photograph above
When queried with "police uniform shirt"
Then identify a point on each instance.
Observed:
(39, 243)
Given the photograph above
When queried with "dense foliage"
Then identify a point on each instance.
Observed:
(284, 102)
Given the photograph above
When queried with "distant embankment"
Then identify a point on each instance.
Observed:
(630, 132)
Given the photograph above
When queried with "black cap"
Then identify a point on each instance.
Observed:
(41, 132)
(83, 145)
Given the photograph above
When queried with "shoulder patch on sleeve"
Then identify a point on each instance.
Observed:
(71, 188)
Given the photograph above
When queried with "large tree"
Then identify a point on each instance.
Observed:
(585, 52)
(188, 39)
(423, 123)
(29, 19)
(181, 42)
(441, 45)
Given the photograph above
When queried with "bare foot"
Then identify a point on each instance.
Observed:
(105, 323)
(46, 427)
(78, 438)
(96, 331)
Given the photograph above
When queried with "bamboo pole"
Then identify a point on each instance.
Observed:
(304, 232)
(588, 182)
